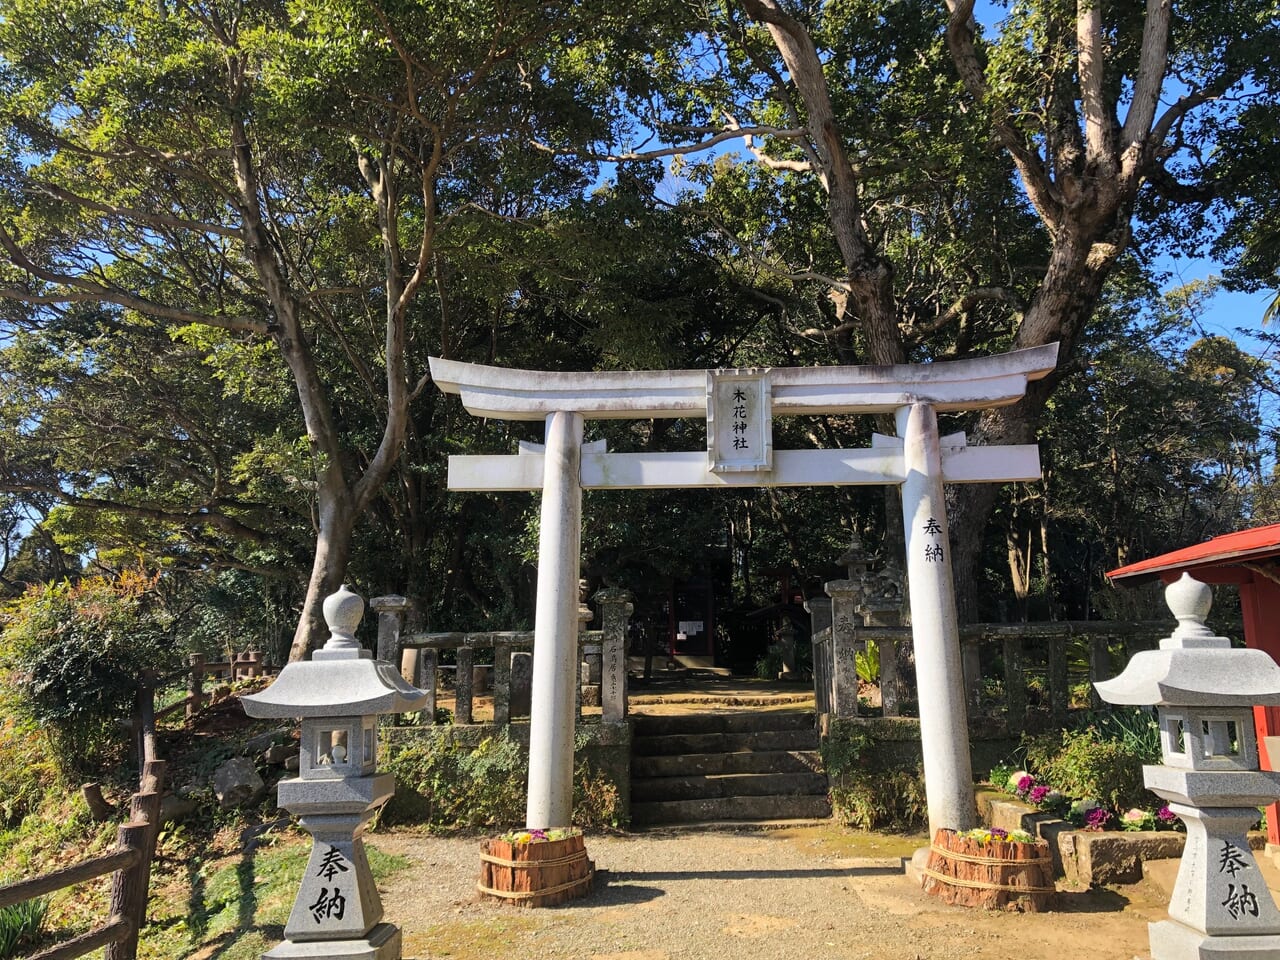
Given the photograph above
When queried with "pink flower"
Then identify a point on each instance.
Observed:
(1025, 784)
(1097, 818)
(1037, 794)
(1165, 815)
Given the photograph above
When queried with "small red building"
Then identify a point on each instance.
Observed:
(1251, 560)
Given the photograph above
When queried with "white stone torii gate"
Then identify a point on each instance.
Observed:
(739, 406)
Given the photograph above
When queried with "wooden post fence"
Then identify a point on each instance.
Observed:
(130, 866)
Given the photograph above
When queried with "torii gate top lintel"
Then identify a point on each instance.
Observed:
(949, 385)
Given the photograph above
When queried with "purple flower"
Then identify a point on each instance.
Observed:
(1165, 815)
(1025, 784)
(538, 834)
(1037, 794)
(998, 833)
(1097, 818)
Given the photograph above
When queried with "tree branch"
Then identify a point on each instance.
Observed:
(1039, 185)
(130, 213)
(85, 291)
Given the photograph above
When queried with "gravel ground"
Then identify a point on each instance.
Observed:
(715, 895)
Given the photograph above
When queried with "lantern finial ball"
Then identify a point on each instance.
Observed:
(1189, 600)
(343, 611)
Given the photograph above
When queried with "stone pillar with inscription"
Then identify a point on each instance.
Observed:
(844, 595)
(615, 614)
(338, 694)
(1204, 692)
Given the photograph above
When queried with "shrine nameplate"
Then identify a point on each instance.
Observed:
(739, 421)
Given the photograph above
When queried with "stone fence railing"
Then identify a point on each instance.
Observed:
(844, 623)
(602, 656)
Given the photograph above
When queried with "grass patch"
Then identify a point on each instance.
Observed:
(235, 907)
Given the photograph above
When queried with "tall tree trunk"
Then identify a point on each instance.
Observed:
(336, 518)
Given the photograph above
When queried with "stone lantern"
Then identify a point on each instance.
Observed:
(338, 695)
(1204, 692)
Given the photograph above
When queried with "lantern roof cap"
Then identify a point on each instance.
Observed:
(341, 679)
(335, 688)
(1193, 667)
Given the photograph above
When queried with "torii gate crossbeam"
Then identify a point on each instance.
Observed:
(739, 406)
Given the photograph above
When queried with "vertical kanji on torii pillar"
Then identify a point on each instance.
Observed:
(739, 406)
(934, 628)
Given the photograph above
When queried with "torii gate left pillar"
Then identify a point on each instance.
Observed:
(739, 406)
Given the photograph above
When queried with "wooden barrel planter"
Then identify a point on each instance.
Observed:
(995, 874)
(538, 874)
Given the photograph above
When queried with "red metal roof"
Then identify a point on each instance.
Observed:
(1243, 545)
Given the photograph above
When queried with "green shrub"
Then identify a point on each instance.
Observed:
(869, 791)
(596, 800)
(1107, 770)
(28, 771)
(72, 655)
(442, 783)
(19, 925)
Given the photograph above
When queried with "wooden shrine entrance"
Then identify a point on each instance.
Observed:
(739, 406)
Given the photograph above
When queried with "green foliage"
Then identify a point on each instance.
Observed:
(443, 783)
(19, 925)
(867, 663)
(870, 789)
(28, 771)
(1084, 764)
(769, 666)
(73, 655)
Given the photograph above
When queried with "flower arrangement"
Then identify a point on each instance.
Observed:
(986, 835)
(539, 836)
(1084, 812)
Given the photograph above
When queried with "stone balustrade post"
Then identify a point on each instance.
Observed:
(819, 610)
(195, 684)
(1015, 686)
(885, 610)
(787, 647)
(391, 611)
(585, 616)
(502, 683)
(1059, 693)
(462, 687)
(1099, 667)
(845, 596)
(615, 613)
(971, 665)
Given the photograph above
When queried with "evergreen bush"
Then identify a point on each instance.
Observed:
(72, 655)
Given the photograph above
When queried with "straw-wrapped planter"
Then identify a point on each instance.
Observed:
(980, 868)
(535, 868)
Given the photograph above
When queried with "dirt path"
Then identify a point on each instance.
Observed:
(804, 893)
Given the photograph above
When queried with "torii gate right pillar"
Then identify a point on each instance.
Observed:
(944, 729)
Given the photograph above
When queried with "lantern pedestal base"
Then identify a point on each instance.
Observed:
(383, 943)
(1176, 941)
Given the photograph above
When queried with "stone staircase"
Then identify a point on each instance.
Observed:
(713, 767)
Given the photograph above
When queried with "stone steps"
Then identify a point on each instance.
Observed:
(678, 744)
(724, 809)
(728, 785)
(726, 766)
(714, 764)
